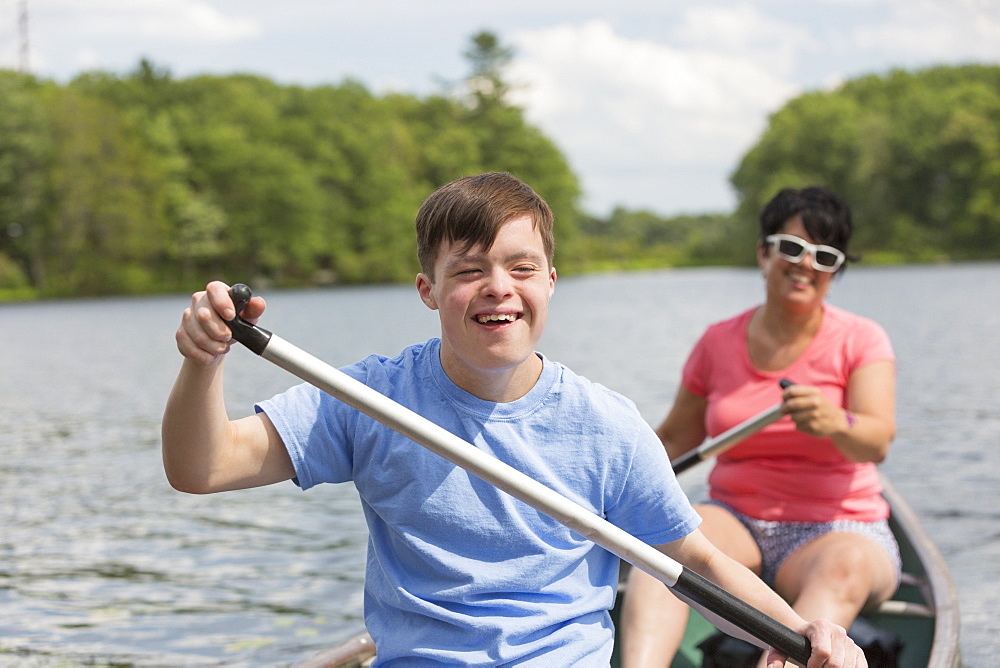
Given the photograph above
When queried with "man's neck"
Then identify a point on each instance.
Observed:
(500, 386)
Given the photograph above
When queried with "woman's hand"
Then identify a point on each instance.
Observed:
(813, 413)
(862, 432)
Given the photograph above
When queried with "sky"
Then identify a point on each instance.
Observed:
(653, 102)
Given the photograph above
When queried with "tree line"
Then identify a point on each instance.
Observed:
(145, 183)
(917, 155)
(142, 183)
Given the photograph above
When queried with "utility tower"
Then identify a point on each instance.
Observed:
(22, 23)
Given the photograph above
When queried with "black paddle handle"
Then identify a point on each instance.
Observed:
(700, 454)
(744, 616)
(253, 337)
(686, 461)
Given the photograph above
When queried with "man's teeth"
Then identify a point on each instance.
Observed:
(497, 317)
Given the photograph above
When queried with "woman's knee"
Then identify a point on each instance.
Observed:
(849, 567)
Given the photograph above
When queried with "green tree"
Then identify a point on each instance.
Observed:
(916, 154)
(106, 222)
(507, 142)
(26, 150)
(488, 59)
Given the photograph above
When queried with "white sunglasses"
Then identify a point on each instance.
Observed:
(793, 249)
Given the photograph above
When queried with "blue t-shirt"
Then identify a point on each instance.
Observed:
(458, 571)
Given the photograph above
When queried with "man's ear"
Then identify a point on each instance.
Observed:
(426, 291)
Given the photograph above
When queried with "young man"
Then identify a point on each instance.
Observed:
(459, 572)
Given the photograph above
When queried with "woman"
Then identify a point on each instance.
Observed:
(798, 503)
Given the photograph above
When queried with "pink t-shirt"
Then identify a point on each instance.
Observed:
(780, 473)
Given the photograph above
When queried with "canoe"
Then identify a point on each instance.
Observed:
(923, 613)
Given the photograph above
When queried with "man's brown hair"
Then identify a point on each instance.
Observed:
(473, 209)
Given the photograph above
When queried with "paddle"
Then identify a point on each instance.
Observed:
(728, 439)
(725, 610)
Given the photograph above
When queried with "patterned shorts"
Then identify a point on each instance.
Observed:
(777, 540)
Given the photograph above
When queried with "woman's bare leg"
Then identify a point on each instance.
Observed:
(835, 576)
(653, 619)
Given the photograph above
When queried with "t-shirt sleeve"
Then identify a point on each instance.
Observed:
(653, 507)
(315, 442)
(697, 367)
(868, 343)
(316, 430)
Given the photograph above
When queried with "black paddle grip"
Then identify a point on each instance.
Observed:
(696, 456)
(253, 337)
(744, 616)
(686, 461)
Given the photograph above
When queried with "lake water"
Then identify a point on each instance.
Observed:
(102, 563)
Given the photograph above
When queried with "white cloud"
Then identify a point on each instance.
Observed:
(87, 59)
(653, 102)
(677, 110)
(177, 21)
(936, 31)
(742, 32)
(622, 106)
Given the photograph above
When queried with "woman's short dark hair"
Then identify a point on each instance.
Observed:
(825, 215)
(473, 209)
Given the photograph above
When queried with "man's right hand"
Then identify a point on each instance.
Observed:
(204, 337)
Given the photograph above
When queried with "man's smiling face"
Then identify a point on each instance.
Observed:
(493, 305)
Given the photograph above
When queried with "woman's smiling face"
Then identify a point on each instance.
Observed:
(493, 305)
(798, 285)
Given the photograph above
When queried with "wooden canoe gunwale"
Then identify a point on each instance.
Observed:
(352, 653)
(937, 586)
